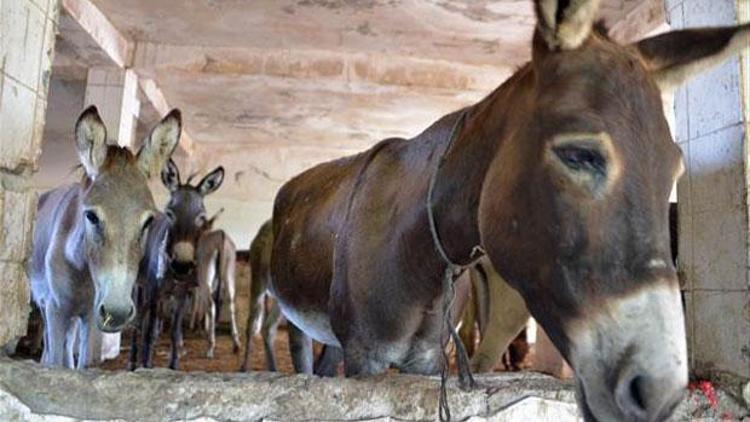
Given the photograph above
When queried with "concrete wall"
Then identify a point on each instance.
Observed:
(58, 158)
(27, 36)
(713, 204)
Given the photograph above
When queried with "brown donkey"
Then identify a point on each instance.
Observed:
(258, 318)
(89, 237)
(562, 175)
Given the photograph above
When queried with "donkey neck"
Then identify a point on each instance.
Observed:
(467, 157)
(211, 241)
(72, 226)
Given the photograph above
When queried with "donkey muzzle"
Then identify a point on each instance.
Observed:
(113, 318)
(631, 359)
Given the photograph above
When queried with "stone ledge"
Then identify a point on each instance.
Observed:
(34, 393)
(30, 392)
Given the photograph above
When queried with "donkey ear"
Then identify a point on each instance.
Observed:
(212, 220)
(160, 144)
(211, 182)
(170, 176)
(565, 25)
(676, 56)
(91, 141)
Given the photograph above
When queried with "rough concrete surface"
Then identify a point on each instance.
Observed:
(30, 392)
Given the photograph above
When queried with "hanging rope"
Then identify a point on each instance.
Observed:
(452, 271)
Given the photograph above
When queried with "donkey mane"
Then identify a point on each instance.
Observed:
(117, 156)
(601, 28)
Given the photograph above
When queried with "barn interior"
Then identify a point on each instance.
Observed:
(270, 88)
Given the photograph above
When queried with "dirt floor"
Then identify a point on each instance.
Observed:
(193, 356)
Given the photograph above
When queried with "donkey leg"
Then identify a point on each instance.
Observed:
(233, 313)
(300, 346)
(254, 320)
(133, 355)
(84, 329)
(71, 335)
(507, 317)
(193, 314)
(45, 334)
(211, 318)
(467, 333)
(268, 332)
(328, 362)
(177, 315)
(360, 361)
(149, 335)
(424, 357)
(58, 323)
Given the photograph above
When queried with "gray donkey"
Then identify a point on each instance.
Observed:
(89, 237)
(216, 262)
(167, 277)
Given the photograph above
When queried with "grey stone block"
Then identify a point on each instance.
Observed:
(722, 333)
(720, 250)
(717, 170)
(714, 99)
(710, 12)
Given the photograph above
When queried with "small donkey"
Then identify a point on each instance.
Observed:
(89, 237)
(168, 273)
(217, 260)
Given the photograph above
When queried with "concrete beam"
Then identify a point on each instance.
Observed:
(379, 69)
(155, 95)
(96, 24)
(121, 50)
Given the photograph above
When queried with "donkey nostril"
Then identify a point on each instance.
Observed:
(650, 397)
(102, 312)
(636, 393)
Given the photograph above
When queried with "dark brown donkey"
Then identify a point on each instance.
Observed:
(562, 175)
(167, 276)
(89, 237)
(264, 316)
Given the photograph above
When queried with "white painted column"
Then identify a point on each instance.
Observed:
(114, 92)
(712, 130)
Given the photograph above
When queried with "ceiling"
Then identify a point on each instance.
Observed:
(271, 87)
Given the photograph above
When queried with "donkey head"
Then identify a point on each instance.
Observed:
(187, 216)
(117, 210)
(574, 208)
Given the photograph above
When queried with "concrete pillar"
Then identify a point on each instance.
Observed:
(114, 92)
(712, 129)
(27, 38)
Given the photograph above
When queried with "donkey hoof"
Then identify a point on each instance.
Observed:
(210, 354)
(236, 349)
(243, 368)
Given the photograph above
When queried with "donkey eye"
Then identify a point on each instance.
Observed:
(169, 214)
(91, 217)
(578, 158)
